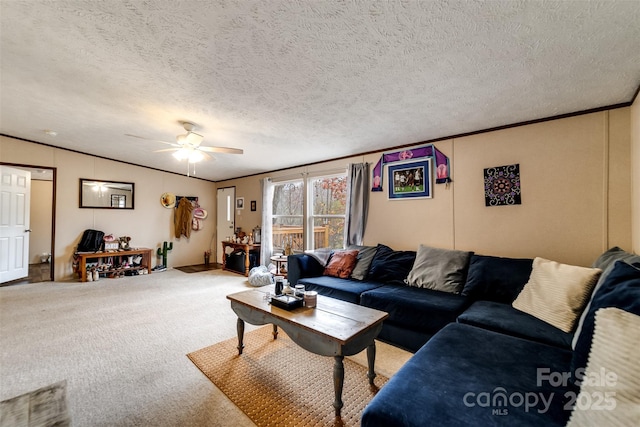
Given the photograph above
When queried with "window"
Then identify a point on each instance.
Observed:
(325, 198)
(288, 216)
(328, 196)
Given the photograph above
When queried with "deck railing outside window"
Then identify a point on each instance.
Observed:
(293, 235)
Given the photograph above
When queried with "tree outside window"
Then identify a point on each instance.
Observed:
(329, 196)
(326, 198)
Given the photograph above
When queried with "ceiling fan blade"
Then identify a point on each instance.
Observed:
(221, 150)
(151, 139)
(165, 150)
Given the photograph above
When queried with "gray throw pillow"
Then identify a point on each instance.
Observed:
(439, 269)
(365, 255)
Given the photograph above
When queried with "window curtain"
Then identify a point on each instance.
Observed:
(266, 239)
(357, 203)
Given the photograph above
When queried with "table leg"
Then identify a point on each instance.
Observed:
(338, 382)
(247, 262)
(371, 361)
(240, 328)
(275, 332)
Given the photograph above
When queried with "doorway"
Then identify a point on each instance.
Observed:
(226, 218)
(42, 224)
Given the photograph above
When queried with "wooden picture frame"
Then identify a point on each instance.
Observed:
(253, 206)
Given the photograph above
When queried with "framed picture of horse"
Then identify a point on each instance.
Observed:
(410, 180)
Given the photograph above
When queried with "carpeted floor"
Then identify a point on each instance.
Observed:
(277, 383)
(120, 344)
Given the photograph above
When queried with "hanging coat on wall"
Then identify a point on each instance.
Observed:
(182, 218)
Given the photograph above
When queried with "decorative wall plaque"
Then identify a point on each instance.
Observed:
(502, 185)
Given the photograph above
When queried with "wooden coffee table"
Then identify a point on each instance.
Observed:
(333, 328)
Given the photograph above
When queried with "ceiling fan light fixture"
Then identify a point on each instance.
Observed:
(190, 154)
(195, 156)
(181, 154)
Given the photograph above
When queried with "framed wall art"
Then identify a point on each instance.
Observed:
(502, 186)
(410, 180)
(239, 202)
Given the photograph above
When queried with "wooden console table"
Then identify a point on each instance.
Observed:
(246, 248)
(144, 264)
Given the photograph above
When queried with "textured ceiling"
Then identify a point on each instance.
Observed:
(295, 82)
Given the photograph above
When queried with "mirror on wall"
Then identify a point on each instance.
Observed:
(98, 194)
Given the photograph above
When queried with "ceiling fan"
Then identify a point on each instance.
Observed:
(188, 146)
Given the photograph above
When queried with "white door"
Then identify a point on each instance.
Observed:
(15, 199)
(226, 218)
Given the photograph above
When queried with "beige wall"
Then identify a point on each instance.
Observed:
(149, 224)
(635, 169)
(40, 219)
(576, 195)
(576, 186)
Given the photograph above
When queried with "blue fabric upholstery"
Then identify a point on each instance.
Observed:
(496, 279)
(302, 265)
(620, 289)
(407, 339)
(334, 287)
(441, 384)
(605, 262)
(389, 266)
(418, 309)
(505, 319)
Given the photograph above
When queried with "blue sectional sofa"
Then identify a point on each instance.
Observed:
(416, 314)
(478, 360)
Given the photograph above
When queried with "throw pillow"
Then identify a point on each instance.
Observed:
(621, 289)
(341, 264)
(389, 266)
(605, 262)
(321, 255)
(439, 269)
(496, 279)
(365, 256)
(611, 380)
(556, 293)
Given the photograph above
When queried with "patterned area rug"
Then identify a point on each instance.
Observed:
(277, 383)
(44, 407)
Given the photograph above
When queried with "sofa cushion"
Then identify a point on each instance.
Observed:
(621, 289)
(341, 264)
(365, 256)
(388, 266)
(557, 293)
(458, 377)
(505, 319)
(342, 289)
(401, 337)
(415, 308)
(605, 262)
(613, 364)
(495, 278)
(439, 269)
(302, 265)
